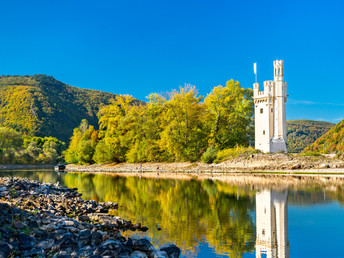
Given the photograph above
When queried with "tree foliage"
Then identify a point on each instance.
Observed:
(214, 211)
(331, 142)
(178, 127)
(18, 148)
(39, 105)
(231, 111)
(302, 133)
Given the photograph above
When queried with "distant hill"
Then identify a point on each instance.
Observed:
(331, 142)
(302, 133)
(43, 106)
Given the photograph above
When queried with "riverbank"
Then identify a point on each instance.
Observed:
(278, 171)
(285, 163)
(44, 219)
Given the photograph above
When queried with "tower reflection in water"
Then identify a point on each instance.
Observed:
(272, 224)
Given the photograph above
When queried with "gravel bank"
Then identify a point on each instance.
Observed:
(49, 220)
(246, 163)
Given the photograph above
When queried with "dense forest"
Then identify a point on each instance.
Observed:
(41, 106)
(331, 142)
(16, 148)
(302, 133)
(175, 127)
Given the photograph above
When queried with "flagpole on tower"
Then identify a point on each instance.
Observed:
(255, 70)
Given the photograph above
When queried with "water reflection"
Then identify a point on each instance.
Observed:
(203, 216)
(272, 224)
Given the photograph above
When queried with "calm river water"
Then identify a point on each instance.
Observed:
(214, 219)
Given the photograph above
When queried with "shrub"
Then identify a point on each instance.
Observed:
(310, 153)
(234, 152)
(210, 155)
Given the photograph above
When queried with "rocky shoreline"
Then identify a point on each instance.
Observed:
(50, 220)
(279, 162)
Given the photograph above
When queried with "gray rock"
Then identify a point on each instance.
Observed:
(18, 225)
(171, 250)
(33, 252)
(5, 250)
(25, 242)
(86, 251)
(83, 218)
(72, 229)
(96, 238)
(142, 245)
(69, 223)
(50, 227)
(84, 238)
(158, 254)
(66, 241)
(324, 165)
(112, 248)
(138, 254)
(46, 244)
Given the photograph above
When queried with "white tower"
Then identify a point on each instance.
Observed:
(272, 224)
(270, 112)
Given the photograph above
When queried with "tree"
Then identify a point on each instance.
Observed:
(112, 122)
(144, 125)
(184, 135)
(10, 138)
(231, 111)
(71, 154)
(103, 153)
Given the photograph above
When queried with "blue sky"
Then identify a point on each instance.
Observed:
(138, 47)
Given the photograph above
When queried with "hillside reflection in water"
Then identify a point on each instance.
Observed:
(197, 215)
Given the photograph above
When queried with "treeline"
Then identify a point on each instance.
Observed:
(40, 105)
(176, 127)
(302, 133)
(331, 142)
(16, 148)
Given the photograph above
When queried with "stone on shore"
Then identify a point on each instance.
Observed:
(50, 220)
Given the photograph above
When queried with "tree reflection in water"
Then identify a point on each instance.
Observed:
(189, 212)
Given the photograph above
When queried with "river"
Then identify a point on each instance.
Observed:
(207, 218)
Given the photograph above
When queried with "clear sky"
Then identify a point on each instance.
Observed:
(138, 47)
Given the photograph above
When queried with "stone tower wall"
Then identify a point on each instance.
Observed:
(270, 112)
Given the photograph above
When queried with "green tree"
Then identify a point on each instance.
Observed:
(10, 138)
(184, 135)
(103, 153)
(71, 154)
(231, 111)
(112, 122)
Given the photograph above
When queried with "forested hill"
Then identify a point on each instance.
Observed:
(331, 142)
(43, 106)
(302, 133)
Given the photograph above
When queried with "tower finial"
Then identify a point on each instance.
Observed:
(255, 70)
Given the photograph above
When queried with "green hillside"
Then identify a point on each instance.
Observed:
(331, 142)
(302, 133)
(43, 106)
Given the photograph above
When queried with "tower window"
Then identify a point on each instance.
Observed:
(272, 110)
(263, 132)
(263, 232)
(261, 111)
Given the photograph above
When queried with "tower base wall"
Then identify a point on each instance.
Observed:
(278, 145)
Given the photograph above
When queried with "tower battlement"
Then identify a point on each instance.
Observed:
(270, 112)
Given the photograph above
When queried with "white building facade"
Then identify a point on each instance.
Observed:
(270, 112)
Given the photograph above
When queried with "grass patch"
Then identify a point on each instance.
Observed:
(235, 152)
